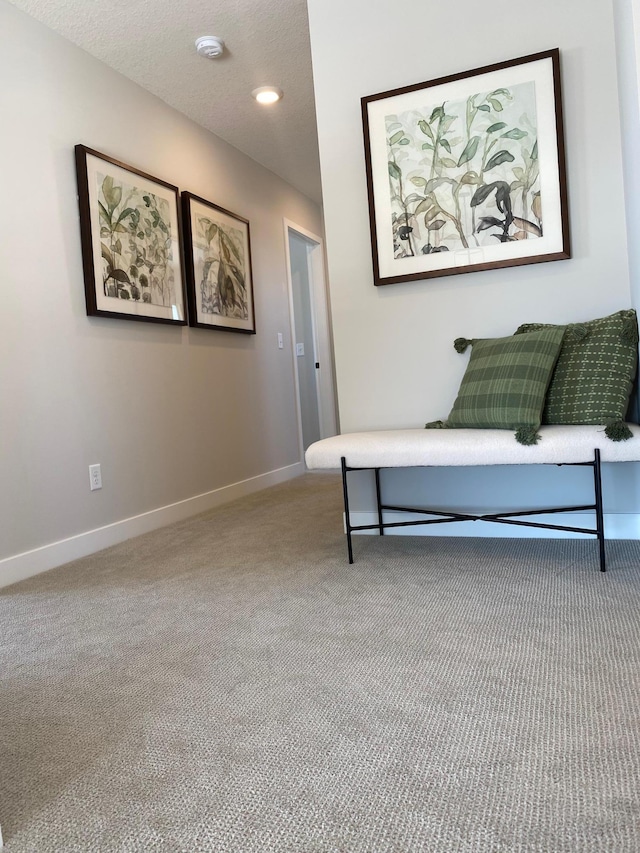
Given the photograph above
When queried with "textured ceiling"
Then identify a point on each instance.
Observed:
(266, 43)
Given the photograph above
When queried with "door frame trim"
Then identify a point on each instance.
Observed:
(322, 340)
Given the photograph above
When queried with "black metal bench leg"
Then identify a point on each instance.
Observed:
(597, 482)
(347, 517)
(379, 501)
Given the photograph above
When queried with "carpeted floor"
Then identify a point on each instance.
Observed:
(231, 684)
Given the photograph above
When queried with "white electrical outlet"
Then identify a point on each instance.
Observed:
(95, 477)
(280, 341)
(299, 349)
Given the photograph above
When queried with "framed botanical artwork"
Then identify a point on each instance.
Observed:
(218, 264)
(130, 230)
(467, 172)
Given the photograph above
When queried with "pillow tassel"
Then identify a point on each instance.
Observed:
(629, 330)
(527, 435)
(577, 331)
(435, 425)
(618, 431)
(461, 344)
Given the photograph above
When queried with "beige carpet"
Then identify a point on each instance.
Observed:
(230, 684)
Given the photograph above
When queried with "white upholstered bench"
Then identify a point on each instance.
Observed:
(411, 448)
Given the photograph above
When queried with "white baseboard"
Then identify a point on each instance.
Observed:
(29, 563)
(616, 526)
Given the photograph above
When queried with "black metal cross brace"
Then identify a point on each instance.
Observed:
(447, 516)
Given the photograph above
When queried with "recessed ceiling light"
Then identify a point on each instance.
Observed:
(209, 46)
(267, 94)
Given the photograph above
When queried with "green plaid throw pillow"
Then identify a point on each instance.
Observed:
(505, 383)
(593, 378)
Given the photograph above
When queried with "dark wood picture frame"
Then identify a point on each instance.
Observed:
(218, 267)
(130, 231)
(462, 171)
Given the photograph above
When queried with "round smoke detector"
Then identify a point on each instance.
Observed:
(209, 46)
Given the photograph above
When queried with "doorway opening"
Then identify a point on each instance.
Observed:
(311, 335)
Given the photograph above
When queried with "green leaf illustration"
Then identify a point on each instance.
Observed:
(424, 127)
(525, 225)
(469, 150)
(229, 246)
(515, 133)
(104, 213)
(431, 214)
(482, 194)
(106, 254)
(120, 275)
(497, 126)
(405, 141)
(436, 224)
(434, 183)
(503, 200)
(112, 194)
(128, 211)
(445, 145)
(425, 204)
(536, 206)
(418, 181)
(438, 112)
(396, 137)
(499, 158)
(495, 103)
(470, 178)
(394, 171)
(484, 108)
(209, 229)
(489, 222)
(534, 151)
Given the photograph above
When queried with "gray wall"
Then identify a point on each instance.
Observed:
(627, 28)
(169, 412)
(402, 334)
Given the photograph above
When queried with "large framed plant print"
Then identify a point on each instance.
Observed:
(218, 264)
(467, 172)
(130, 230)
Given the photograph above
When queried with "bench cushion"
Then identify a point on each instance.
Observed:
(407, 448)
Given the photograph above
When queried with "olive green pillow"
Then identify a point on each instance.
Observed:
(506, 381)
(594, 374)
